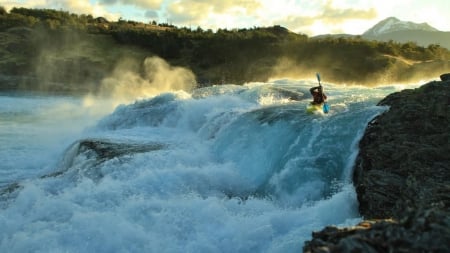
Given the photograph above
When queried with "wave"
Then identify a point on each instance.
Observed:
(226, 168)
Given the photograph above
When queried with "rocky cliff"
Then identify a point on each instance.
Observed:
(402, 178)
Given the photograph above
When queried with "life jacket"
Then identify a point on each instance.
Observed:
(318, 97)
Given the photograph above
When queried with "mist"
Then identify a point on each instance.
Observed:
(132, 80)
(397, 71)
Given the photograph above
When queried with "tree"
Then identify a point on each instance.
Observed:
(2, 11)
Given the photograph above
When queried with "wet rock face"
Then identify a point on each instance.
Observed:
(421, 231)
(85, 156)
(402, 178)
(404, 159)
(107, 150)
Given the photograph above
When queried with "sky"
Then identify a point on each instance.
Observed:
(311, 17)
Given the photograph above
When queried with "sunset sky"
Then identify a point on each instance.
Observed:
(311, 17)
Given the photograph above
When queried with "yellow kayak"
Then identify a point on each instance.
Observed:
(313, 108)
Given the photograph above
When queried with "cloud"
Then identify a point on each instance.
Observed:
(213, 13)
(334, 15)
(216, 6)
(146, 4)
(188, 11)
(328, 18)
(151, 14)
(29, 4)
(74, 6)
(310, 17)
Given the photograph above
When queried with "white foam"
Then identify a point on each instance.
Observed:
(233, 176)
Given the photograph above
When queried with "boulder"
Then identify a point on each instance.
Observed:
(404, 159)
(445, 77)
(420, 231)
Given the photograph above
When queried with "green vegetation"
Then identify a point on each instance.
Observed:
(75, 52)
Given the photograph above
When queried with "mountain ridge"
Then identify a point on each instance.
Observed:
(394, 29)
(393, 24)
(406, 31)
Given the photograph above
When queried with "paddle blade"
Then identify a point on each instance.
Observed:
(326, 108)
(318, 77)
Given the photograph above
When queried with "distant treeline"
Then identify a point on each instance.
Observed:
(238, 55)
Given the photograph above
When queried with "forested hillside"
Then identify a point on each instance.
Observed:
(61, 50)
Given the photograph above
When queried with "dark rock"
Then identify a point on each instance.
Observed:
(95, 152)
(403, 159)
(9, 192)
(402, 174)
(419, 231)
(445, 77)
(106, 150)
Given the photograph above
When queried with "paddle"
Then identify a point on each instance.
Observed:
(326, 107)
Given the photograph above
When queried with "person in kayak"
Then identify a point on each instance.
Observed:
(318, 96)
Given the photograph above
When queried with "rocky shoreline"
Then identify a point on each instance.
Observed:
(401, 177)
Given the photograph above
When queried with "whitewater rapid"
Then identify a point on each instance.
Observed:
(221, 169)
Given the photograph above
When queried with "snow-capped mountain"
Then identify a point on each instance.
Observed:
(393, 24)
(406, 31)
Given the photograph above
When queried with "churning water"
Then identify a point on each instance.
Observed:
(222, 169)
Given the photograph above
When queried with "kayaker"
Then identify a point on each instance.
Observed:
(318, 96)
